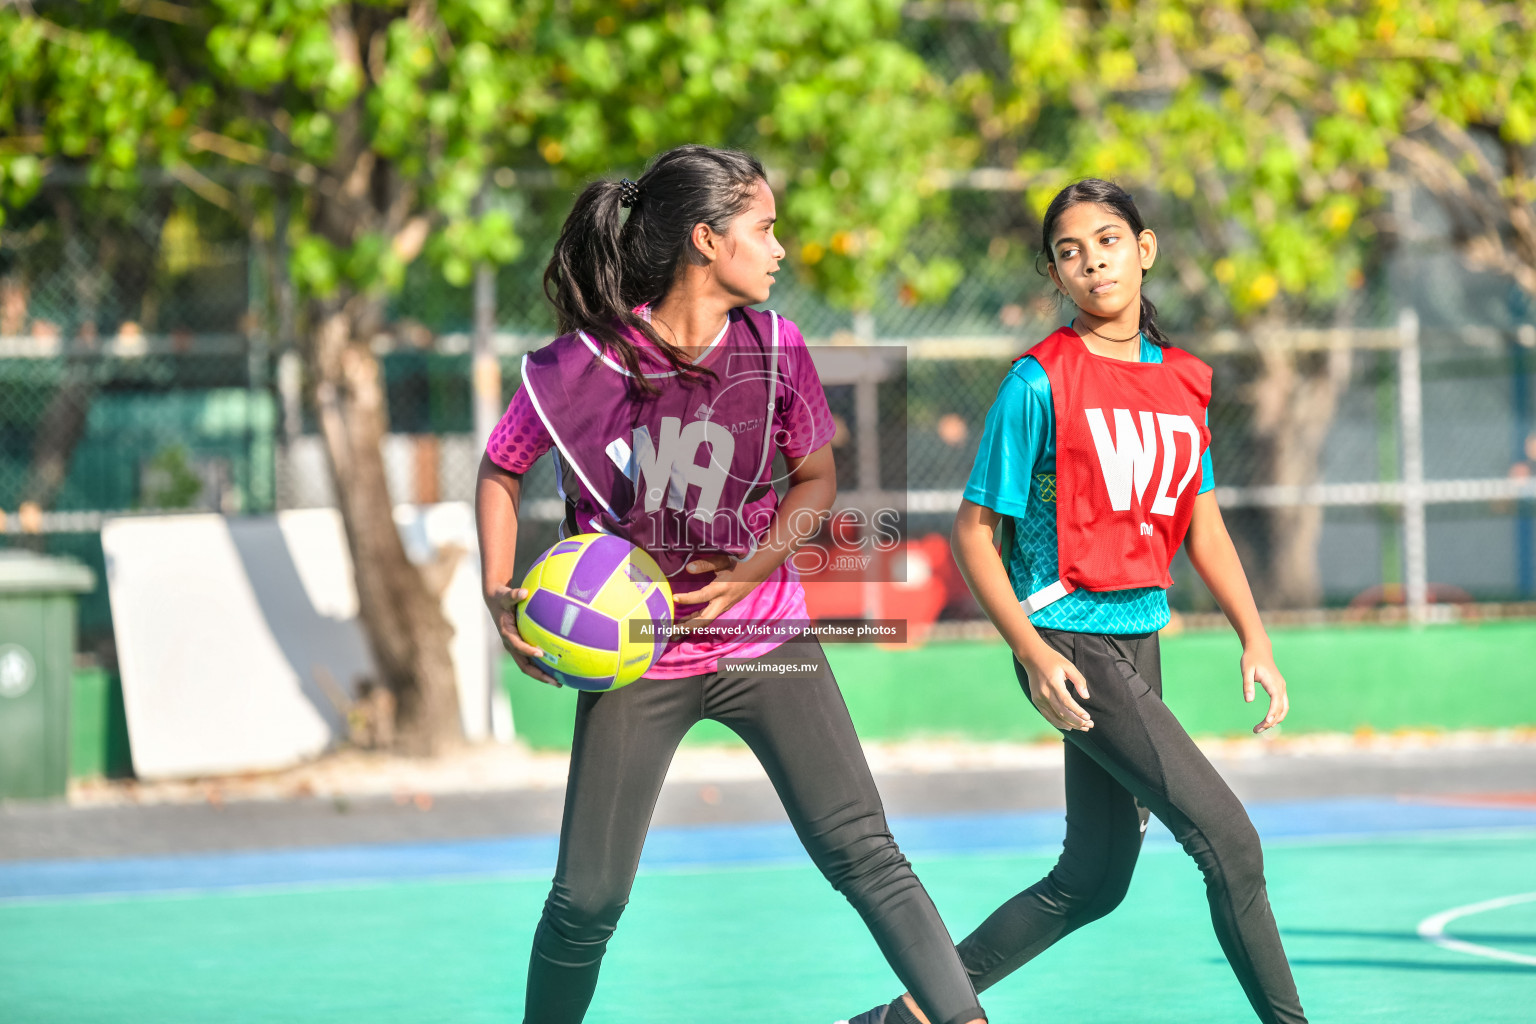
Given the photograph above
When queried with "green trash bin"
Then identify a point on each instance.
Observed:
(37, 657)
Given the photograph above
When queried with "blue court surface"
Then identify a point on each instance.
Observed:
(1391, 911)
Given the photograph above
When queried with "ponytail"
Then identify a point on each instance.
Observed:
(1112, 197)
(1149, 326)
(606, 264)
(584, 280)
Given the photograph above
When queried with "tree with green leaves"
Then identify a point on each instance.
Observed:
(1265, 138)
(380, 122)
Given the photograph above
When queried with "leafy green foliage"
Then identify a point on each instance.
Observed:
(1262, 135)
(382, 114)
(1275, 128)
(83, 95)
(170, 481)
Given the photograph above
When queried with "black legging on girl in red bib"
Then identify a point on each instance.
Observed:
(1138, 758)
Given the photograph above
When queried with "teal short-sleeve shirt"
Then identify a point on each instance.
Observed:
(1015, 475)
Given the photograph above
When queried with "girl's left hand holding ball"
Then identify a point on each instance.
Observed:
(503, 603)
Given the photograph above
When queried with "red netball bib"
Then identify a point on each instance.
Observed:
(1129, 437)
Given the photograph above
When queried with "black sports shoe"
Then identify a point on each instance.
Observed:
(894, 1012)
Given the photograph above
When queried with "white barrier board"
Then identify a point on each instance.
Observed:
(229, 629)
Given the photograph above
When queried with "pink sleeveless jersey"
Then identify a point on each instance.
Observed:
(608, 449)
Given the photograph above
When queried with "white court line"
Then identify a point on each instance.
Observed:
(1432, 929)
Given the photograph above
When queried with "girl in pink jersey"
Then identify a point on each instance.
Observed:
(664, 401)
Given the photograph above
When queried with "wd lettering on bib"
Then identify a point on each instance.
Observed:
(1128, 459)
(1129, 437)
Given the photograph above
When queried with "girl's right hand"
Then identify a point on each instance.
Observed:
(1049, 674)
(503, 603)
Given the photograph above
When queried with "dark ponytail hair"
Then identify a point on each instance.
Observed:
(1116, 199)
(605, 265)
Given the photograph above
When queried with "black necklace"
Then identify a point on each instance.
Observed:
(1107, 337)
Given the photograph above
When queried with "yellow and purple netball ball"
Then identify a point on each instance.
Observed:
(590, 598)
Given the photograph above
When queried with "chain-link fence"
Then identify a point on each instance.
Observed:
(144, 365)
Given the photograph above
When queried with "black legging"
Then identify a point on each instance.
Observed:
(1137, 756)
(798, 726)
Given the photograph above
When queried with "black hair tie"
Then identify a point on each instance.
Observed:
(629, 193)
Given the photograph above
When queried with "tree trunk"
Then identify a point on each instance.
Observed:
(1294, 400)
(62, 424)
(60, 429)
(401, 610)
(122, 262)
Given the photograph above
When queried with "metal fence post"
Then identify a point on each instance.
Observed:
(485, 369)
(1520, 401)
(866, 418)
(1411, 412)
(485, 392)
(258, 342)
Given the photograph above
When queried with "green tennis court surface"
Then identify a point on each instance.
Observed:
(732, 924)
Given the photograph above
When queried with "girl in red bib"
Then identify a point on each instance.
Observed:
(1095, 464)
